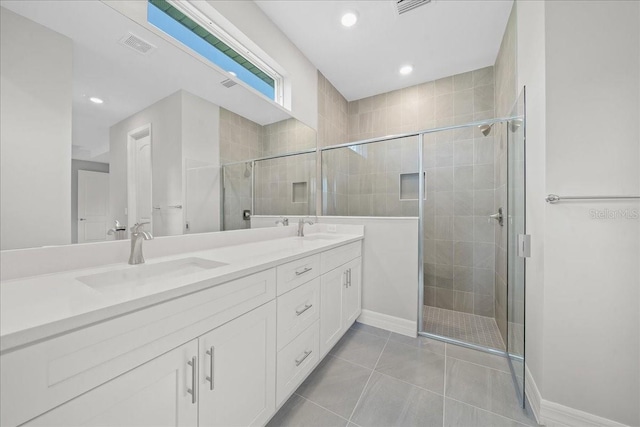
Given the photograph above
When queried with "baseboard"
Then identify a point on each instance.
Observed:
(553, 414)
(389, 323)
(532, 393)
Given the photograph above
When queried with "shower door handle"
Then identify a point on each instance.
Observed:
(498, 216)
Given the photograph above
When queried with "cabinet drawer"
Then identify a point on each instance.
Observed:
(52, 372)
(338, 256)
(297, 310)
(296, 361)
(295, 273)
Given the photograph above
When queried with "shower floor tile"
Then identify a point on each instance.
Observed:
(467, 327)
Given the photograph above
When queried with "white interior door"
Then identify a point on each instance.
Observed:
(93, 206)
(139, 178)
(143, 179)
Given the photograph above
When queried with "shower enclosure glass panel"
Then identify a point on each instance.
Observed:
(376, 179)
(459, 248)
(516, 245)
(236, 195)
(285, 185)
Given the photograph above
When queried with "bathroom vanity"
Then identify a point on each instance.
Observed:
(219, 337)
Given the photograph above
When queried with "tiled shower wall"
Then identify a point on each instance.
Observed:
(506, 93)
(332, 130)
(365, 181)
(241, 139)
(459, 164)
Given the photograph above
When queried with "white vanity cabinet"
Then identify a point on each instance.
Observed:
(340, 294)
(226, 377)
(237, 371)
(229, 355)
(154, 394)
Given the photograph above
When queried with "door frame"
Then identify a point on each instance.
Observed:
(132, 155)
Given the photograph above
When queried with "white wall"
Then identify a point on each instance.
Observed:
(390, 268)
(580, 62)
(35, 134)
(591, 352)
(201, 163)
(301, 73)
(165, 117)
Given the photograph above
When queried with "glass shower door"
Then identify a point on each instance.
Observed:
(517, 243)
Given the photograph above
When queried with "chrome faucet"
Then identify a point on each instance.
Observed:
(119, 230)
(283, 221)
(301, 224)
(138, 235)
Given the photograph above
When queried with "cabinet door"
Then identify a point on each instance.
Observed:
(353, 292)
(332, 286)
(238, 364)
(154, 394)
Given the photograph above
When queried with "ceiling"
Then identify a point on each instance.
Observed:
(126, 80)
(441, 38)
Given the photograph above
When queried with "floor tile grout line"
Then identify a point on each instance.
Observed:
(478, 364)
(408, 383)
(322, 407)
(485, 410)
(443, 395)
(350, 361)
(370, 333)
(369, 379)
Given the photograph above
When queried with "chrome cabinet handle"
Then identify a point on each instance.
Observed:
(193, 391)
(304, 356)
(349, 276)
(306, 270)
(210, 377)
(305, 308)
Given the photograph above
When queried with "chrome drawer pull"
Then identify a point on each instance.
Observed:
(349, 275)
(210, 378)
(193, 391)
(306, 354)
(306, 270)
(305, 308)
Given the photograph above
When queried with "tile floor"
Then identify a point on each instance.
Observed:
(376, 378)
(463, 326)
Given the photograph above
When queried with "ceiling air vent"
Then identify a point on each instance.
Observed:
(136, 43)
(403, 6)
(228, 83)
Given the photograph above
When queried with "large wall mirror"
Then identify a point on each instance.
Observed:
(106, 121)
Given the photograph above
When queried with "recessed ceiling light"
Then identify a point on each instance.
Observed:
(96, 100)
(349, 19)
(406, 69)
(233, 74)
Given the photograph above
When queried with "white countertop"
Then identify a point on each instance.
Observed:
(38, 307)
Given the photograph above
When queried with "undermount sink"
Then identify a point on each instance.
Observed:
(141, 274)
(321, 236)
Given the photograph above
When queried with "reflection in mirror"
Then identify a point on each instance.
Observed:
(97, 136)
(286, 185)
(243, 141)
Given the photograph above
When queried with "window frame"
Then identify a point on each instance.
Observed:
(190, 10)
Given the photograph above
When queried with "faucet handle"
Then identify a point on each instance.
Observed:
(138, 226)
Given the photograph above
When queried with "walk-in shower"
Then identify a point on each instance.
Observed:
(465, 185)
